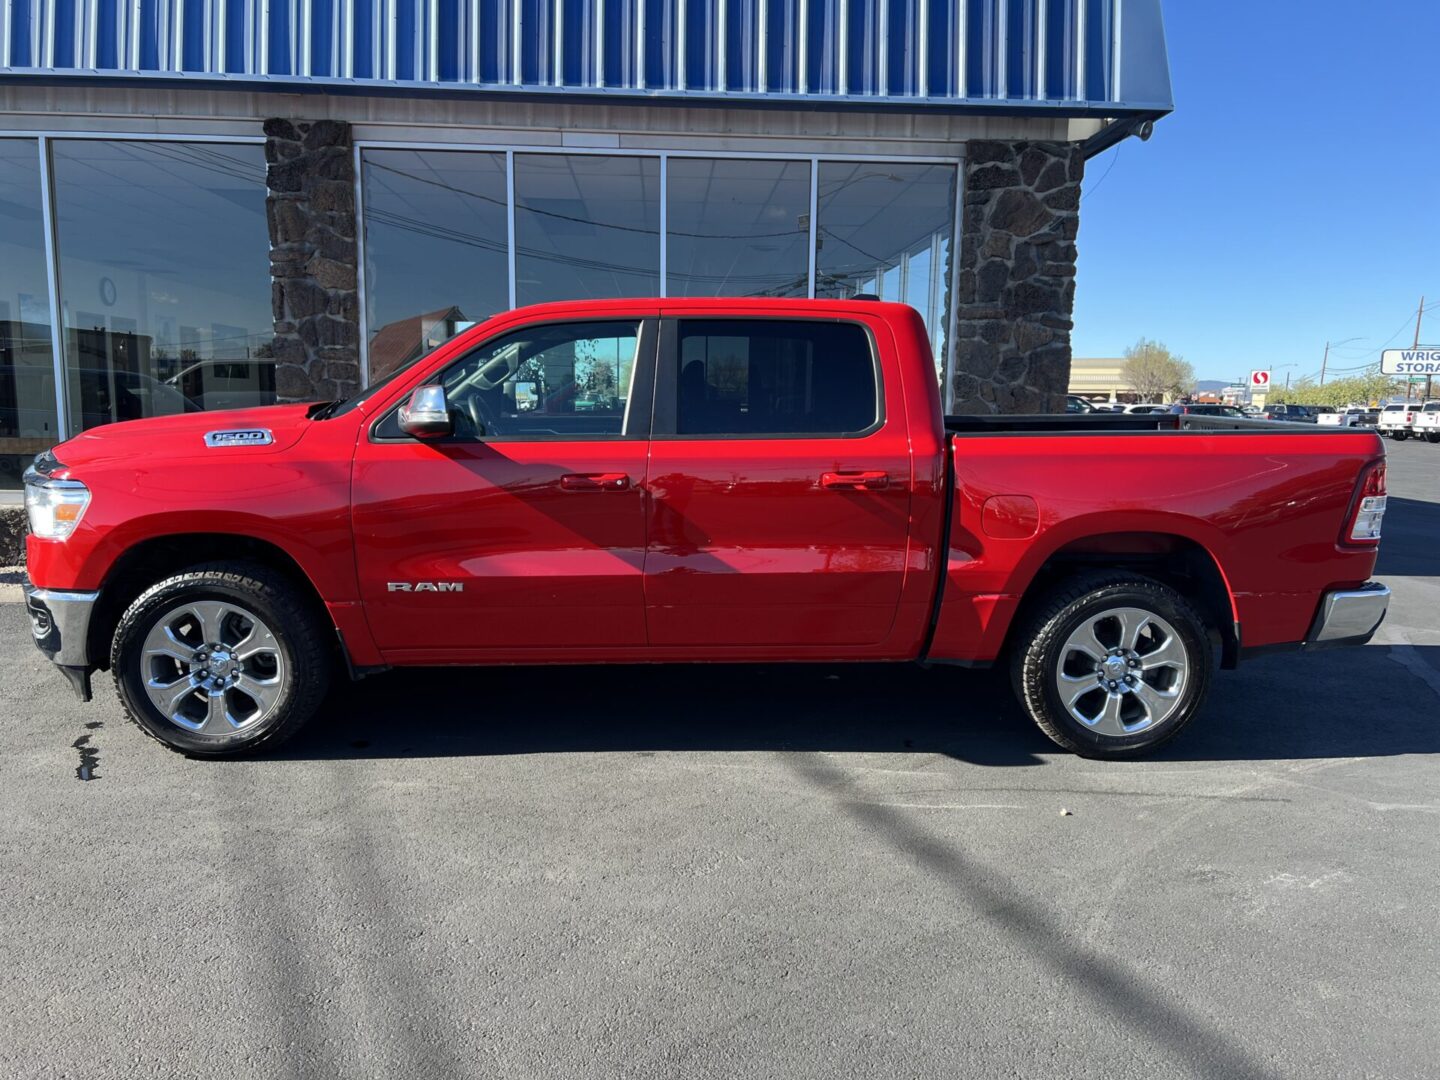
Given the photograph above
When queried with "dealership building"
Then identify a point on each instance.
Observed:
(214, 203)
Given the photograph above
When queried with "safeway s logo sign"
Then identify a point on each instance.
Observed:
(1260, 380)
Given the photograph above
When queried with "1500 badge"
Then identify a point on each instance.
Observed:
(425, 586)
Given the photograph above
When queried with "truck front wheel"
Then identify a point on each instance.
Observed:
(1112, 665)
(222, 659)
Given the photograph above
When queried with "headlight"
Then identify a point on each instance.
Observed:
(55, 506)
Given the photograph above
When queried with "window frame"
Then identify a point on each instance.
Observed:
(638, 413)
(667, 380)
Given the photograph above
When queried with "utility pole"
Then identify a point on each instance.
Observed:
(1429, 379)
(1324, 362)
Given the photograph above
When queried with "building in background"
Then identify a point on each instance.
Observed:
(1100, 379)
(218, 201)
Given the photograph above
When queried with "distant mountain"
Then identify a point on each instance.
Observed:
(1210, 386)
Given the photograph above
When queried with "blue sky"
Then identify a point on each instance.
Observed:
(1292, 197)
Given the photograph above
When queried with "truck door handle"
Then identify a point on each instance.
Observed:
(602, 481)
(855, 481)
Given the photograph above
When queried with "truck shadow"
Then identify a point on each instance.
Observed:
(1370, 702)
(1409, 548)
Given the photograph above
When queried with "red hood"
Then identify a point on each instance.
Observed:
(183, 436)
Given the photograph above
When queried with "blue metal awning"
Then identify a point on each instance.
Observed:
(1064, 57)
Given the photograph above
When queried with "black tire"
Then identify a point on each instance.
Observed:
(1399, 436)
(1432, 436)
(1038, 653)
(302, 638)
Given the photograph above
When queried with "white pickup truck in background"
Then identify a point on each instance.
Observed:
(1397, 420)
(1351, 417)
(1427, 421)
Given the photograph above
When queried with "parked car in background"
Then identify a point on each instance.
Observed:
(1427, 422)
(787, 489)
(1354, 416)
(1074, 404)
(228, 384)
(1294, 413)
(1397, 420)
(102, 396)
(1146, 407)
(1205, 409)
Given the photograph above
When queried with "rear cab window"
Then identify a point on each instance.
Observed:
(767, 378)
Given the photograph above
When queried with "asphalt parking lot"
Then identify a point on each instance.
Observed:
(740, 872)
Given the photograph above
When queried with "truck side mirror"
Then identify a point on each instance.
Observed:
(425, 415)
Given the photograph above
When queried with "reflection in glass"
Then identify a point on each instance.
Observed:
(886, 229)
(550, 380)
(587, 226)
(436, 248)
(738, 228)
(164, 279)
(27, 369)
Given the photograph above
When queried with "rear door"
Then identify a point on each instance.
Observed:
(779, 484)
(525, 532)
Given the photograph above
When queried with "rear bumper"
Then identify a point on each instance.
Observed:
(60, 625)
(1349, 616)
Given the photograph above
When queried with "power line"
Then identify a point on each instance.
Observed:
(1103, 176)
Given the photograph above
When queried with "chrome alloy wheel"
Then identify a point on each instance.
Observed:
(212, 667)
(1122, 671)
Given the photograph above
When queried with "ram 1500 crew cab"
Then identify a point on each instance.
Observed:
(692, 480)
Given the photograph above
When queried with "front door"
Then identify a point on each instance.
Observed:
(779, 483)
(525, 531)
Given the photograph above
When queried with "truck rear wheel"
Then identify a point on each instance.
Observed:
(1112, 665)
(221, 659)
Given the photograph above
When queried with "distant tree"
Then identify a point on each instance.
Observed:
(1154, 372)
(1357, 390)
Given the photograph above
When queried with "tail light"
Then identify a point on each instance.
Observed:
(1367, 509)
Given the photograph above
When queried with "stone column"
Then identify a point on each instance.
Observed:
(310, 205)
(1017, 276)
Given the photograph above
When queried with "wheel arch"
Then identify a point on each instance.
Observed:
(1177, 560)
(149, 561)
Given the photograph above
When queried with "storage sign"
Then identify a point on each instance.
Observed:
(1259, 380)
(1410, 361)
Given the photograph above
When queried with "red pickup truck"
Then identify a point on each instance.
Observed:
(692, 480)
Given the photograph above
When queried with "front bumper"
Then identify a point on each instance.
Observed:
(1349, 616)
(60, 624)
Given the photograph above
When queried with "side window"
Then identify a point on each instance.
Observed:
(549, 380)
(774, 377)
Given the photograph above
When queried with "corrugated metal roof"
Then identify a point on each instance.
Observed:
(1103, 57)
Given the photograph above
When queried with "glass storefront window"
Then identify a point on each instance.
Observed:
(887, 229)
(164, 281)
(738, 227)
(27, 368)
(436, 249)
(587, 226)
